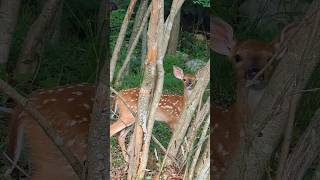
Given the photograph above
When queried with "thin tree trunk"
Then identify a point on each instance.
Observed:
(174, 37)
(103, 33)
(145, 94)
(263, 132)
(98, 138)
(9, 12)
(158, 36)
(203, 166)
(26, 61)
(56, 26)
(122, 33)
(144, 46)
(137, 23)
(131, 48)
(186, 115)
(305, 152)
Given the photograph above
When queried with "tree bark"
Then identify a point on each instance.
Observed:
(98, 138)
(35, 36)
(103, 33)
(174, 37)
(9, 12)
(263, 132)
(144, 46)
(145, 94)
(305, 152)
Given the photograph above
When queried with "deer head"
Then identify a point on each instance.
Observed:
(247, 57)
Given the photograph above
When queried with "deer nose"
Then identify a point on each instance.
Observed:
(252, 72)
(189, 84)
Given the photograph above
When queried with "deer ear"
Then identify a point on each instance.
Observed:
(286, 33)
(178, 72)
(221, 36)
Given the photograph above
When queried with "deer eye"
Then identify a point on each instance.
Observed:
(238, 58)
(184, 80)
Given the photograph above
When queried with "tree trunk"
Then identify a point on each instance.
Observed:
(174, 37)
(56, 26)
(145, 95)
(264, 131)
(98, 138)
(26, 61)
(103, 33)
(305, 152)
(144, 46)
(9, 12)
(141, 19)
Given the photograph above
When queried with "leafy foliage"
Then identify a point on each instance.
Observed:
(204, 3)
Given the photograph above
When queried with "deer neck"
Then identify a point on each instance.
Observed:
(242, 103)
(254, 97)
(247, 98)
(186, 95)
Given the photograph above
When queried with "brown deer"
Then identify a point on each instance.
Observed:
(68, 109)
(247, 58)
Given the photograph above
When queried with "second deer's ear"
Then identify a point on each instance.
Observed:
(221, 36)
(178, 72)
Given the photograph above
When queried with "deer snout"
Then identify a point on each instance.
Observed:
(189, 85)
(252, 72)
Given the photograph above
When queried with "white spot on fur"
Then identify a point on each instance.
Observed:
(86, 106)
(45, 101)
(70, 99)
(73, 122)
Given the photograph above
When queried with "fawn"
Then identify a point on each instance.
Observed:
(68, 109)
(247, 58)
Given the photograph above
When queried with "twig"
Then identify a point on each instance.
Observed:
(15, 165)
(125, 102)
(310, 90)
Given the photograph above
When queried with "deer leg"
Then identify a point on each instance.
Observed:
(120, 124)
(122, 143)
